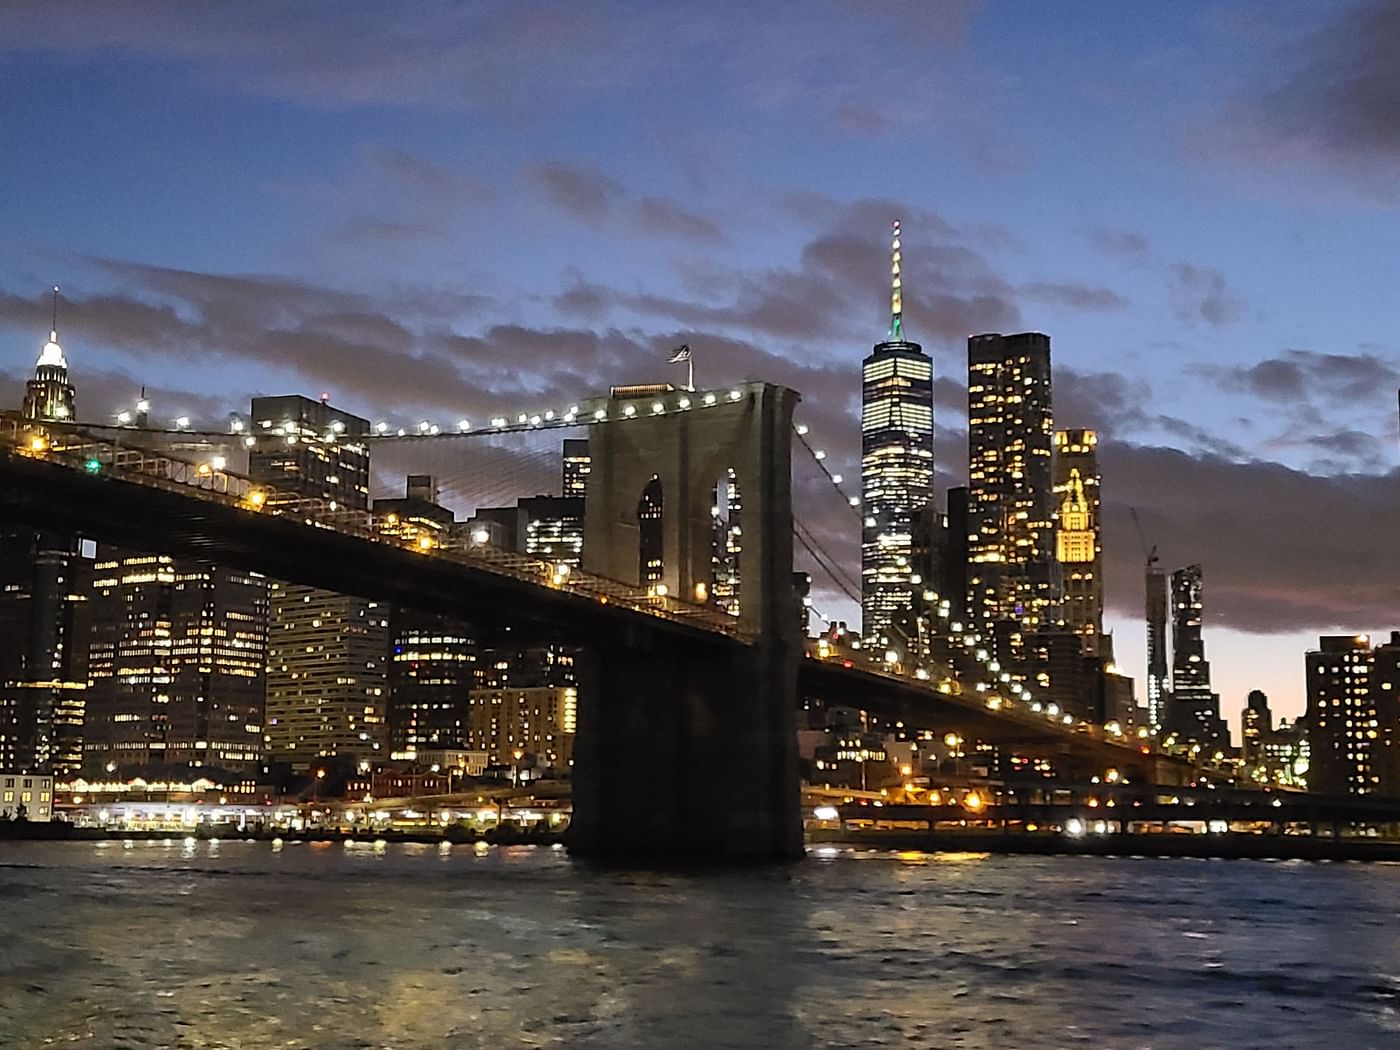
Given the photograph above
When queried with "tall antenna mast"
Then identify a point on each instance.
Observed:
(896, 293)
(54, 327)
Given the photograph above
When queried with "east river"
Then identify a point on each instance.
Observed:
(248, 945)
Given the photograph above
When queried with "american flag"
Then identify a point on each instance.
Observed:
(679, 354)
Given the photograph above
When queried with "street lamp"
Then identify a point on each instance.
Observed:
(517, 754)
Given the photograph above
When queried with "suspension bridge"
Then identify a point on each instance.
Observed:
(667, 680)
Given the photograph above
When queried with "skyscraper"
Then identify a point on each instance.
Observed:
(43, 652)
(176, 663)
(432, 658)
(1193, 712)
(43, 632)
(49, 395)
(1013, 574)
(578, 464)
(651, 537)
(526, 703)
(1079, 545)
(896, 465)
(1256, 726)
(1156, 615)
(1353, 707)
(328, 653)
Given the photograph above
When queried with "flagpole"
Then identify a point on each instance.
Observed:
(690, 373)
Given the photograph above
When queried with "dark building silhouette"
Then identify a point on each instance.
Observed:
(43, 629)
(1193, 712)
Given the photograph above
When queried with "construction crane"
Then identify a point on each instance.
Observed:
(1149, 556)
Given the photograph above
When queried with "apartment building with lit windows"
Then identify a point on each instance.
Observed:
(1353, 711)
(1014, 580)
(328, 653)
(176, 659)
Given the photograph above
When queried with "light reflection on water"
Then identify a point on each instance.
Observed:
(250, 946)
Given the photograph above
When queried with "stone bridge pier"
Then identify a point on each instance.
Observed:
(687, 747)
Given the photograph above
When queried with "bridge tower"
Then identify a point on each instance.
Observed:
(686, 750)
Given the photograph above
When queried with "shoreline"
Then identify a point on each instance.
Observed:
(1199, 847)
(59, 832)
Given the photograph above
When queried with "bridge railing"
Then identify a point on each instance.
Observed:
(211, 481)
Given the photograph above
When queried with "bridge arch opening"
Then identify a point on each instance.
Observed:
(727, 546)
(651, 533)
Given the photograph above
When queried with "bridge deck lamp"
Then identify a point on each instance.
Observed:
(257, 499)
(38, 444)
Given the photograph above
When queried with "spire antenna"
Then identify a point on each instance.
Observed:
(896, 291)
(54, 326)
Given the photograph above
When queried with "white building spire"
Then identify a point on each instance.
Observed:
(52, 354)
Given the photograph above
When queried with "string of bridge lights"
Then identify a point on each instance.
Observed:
(961, 636)
(574, 415)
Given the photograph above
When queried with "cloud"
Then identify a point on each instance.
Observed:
(448, 55)
(1327, 102)
(661, 215)
(587, 194)
(1074, 296)
(582, 191)
(1102, 401)
(1275, 560)
(1126, 243)
(1199, 293)
(442, 187)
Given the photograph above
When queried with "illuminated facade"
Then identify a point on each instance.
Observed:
(1193, 711)
(578, 464)
(327, 675)
(896, 468)
(526, 701)
(328, 653)
(432, 659)
(432, 671)
(175, 663)
(49, 395)
(1013, 573)
(552, 527)
(1353, 709)
(305, 449)
(1078, 543)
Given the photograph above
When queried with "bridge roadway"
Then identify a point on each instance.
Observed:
(66, 479)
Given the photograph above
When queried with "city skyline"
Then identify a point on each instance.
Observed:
(414, 250)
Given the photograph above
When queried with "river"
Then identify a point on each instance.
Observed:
(255, 945)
